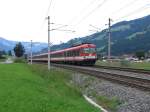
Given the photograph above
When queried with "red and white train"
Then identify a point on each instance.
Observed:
(83, 54)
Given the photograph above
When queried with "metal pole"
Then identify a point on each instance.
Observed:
(109, 40)
(31, 51)
(49, 65)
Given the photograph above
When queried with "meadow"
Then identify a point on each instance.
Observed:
(129, 64)
(32, 88)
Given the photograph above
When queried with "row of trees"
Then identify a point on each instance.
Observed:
(3, 53)
(18, 50)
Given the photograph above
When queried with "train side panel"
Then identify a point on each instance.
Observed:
(84, 55)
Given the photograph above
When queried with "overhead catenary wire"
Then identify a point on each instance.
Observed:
(90, 11)
(63, 30)
(50, 4)
(47, 12)
(124, 7)
(59, 27)
(94, 27)
(87, 15)
(133, 12)
(56, 24)
(82, 11)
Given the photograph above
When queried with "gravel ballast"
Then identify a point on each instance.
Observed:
(132, 100)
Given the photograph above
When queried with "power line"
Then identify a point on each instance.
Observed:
(58, 24)
(87, 15)
(59, 27)
(63, 30)
(94, 31)
(133, 12)
(50, 4)
(96, 28)
(125, 6)
(81, 12)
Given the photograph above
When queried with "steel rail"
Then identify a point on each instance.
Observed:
(125, 69)
(143, 84)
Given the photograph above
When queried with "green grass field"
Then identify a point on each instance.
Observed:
(25, 88)
(138, 65)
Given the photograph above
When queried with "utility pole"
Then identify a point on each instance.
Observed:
(31, 53)
(49, 65)
(109, 39)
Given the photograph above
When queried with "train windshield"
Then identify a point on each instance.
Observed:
(89, 50)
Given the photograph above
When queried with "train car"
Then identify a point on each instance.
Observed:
(83, 54)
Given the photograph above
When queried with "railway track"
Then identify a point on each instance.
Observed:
(124, 69)
(140, 80)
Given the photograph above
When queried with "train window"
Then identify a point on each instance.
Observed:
(74, 53)
(65, 53)
(92, 50)
(77, 53)
(61, 55)
(86, 50)
(89, 50)
(71, 53)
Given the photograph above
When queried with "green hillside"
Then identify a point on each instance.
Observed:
(126, 37)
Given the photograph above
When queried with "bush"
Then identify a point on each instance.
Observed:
(124, 63)
(2, 57)
(20, 60)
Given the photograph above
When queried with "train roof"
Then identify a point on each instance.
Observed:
(85, 45)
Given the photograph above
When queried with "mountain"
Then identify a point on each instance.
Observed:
(9, 45)
(126, 37)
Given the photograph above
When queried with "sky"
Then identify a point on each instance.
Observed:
(25, 20)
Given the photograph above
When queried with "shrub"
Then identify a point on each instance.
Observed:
(124, 63)
(20, 60)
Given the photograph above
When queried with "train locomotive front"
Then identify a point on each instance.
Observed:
(88, 54)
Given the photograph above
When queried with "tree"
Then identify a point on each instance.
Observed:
(1, 54)
(19, 49)
(4, 52)
(140, 54)
(9, 53)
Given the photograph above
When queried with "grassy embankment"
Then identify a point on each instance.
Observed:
(25, 88)
(3, 58)
(138, 65)
(110, 104)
